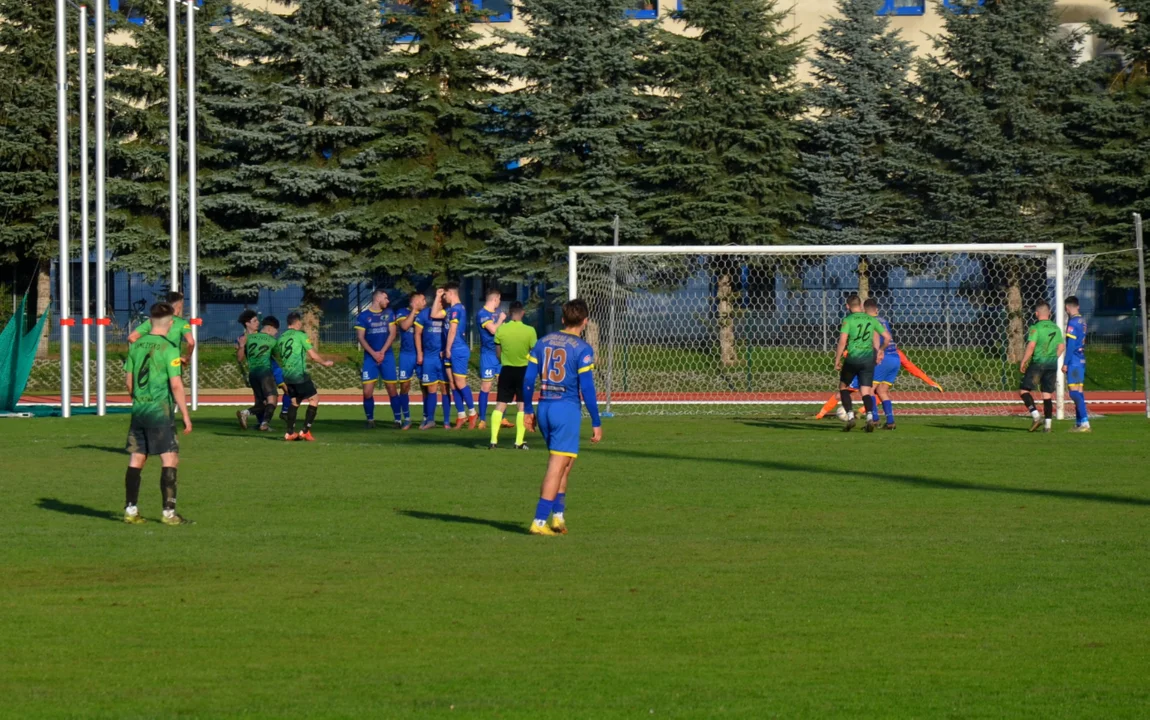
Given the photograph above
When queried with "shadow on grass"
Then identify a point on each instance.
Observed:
(56, 505)
(913, 480)
(507, 527)
(808, 425)
(976, 428)
(113, 449)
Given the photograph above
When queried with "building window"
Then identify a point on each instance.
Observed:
(962, 6)
(492, 10)
(643, 9)
(903, 7)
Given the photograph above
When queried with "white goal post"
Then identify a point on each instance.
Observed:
(729, 329)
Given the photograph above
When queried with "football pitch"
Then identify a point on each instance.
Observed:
(716, 567)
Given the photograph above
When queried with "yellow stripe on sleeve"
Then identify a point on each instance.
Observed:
(532, 360)
(586, 369)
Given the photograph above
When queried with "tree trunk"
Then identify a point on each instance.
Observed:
(43, 302)
(1015, 321)
(864, 278)
(312, 313)
(728, 353)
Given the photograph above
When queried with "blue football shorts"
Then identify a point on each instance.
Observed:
(887, 372)
(408, 370)
(559, 424)
(460, 361)
(489, 366)
(1076, 372)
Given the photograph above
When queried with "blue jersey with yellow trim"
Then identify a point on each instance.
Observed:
(376, 327)
(406, 337)
(434, 331)
(562, 358)
(1076, 339)
(457, 315)
(891, 347)
(486, 337)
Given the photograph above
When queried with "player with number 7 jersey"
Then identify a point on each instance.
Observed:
(563, 363)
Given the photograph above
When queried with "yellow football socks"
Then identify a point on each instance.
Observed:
(496, 421)
(520, 429)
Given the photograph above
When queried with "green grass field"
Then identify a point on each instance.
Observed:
(957, 568)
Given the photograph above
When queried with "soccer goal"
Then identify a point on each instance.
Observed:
(738, 329)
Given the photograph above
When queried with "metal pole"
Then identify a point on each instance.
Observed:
(1060, 319)
(62, 201)
(1142, 304)
(193, 279)
(85, 290)
(173, 151)
(611, 315)
(101, 220)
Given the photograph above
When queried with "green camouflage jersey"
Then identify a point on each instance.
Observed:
(291, 353)
(180, 328)
(1046, 336)
(152, 362)
(860, 329)
(258, 351)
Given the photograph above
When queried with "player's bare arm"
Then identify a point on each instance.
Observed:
(186, 358)
(418, 345)
(841, 350)
(316, 357)
(177, 385)
(391, 335)
(1026, 356)
(361, 335)
(134, 336)
(878, 343)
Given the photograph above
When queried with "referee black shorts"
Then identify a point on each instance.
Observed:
(510, 384)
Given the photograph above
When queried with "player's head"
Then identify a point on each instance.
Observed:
(417, 301)
(379, 298)
(1042, 311)
(494, 297)
(176, 300)
(161, 316)
(1072, 305)
(451, 293)
(870, 307)
(517, 311)
(854, 303)
(294, 321)
(271, 325)
(250, 319)
(575, 315)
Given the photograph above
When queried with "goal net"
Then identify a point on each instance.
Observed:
(728, 330)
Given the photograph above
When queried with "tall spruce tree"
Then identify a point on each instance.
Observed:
(998, 168)
(858, 139)
(575, 124)
(28, 194)
(139, 200)
(421, 211)
(1110, 127)
(303, 102)
(718, 164)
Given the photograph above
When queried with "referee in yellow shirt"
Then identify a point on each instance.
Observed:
(513, 343)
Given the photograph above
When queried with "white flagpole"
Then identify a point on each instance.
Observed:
(85, 290)
(173, 150)
(101, 291)
(193, 279)
(62, 201)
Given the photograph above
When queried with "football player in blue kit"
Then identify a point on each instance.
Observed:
(429, 337)
(564, 363)
(458, 355)
(1075, 367)
(489, 319)
(408, 358)
(376, 333)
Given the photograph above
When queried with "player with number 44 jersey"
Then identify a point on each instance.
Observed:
(563, 363)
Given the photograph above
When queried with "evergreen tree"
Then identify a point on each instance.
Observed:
(139, 199)
(421, 213)
(574, 122)
(718, 165)
(1110, 127)
(299, 107)
(717, 168)
(998, 168)
(858, 141)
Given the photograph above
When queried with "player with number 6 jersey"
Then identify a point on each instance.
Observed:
(563, 363)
